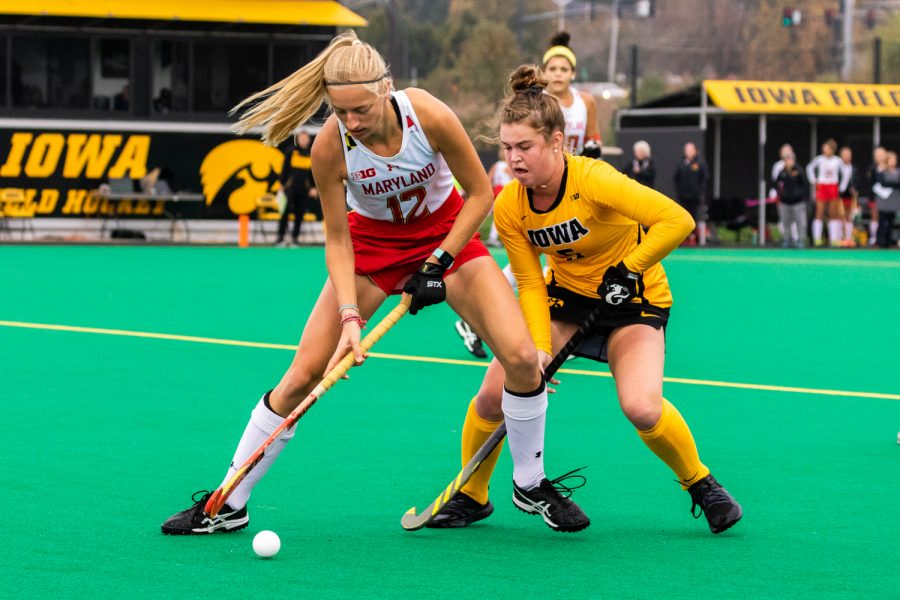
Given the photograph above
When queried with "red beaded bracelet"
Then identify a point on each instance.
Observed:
(353, 317)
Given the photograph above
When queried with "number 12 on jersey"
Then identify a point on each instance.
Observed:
(394, 203)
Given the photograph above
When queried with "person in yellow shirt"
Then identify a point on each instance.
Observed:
(603, 235)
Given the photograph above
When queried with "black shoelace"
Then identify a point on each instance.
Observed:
(204, 494)
(707, 495)
(566, 490)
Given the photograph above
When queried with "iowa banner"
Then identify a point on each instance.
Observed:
(59, 171)
(847, 99)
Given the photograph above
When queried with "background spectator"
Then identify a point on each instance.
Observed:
(792, 188)
(500, 174)
(691, 177)
(786, 149)
(879, 162)
(825, 173)
(848, 189)
(121, 101)
(641, 167)
(297, 183)
(162, 104)
(887, 192)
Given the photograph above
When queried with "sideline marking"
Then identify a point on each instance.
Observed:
(788, 262)
(428, 359)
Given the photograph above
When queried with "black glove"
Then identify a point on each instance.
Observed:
(619, 285)
(426, 286)
(592, 149)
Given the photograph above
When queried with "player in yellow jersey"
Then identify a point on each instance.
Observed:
(603, 235)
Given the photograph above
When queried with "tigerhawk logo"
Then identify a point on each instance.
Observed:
(239, 172)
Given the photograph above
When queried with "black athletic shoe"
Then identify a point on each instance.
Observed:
(194, 521)
(721, 510)
(470, 339)
(461, 511)
(551, 500)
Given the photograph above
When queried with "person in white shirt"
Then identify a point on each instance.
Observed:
(848, 189)
(391, 156)
(824, 172)
(579, 108)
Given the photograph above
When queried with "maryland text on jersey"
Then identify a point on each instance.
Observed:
(393, 184)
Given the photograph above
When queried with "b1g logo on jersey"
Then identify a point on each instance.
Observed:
(561, 233)
(364, 174)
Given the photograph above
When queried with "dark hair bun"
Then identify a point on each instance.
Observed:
(527, 77)
(560, 39)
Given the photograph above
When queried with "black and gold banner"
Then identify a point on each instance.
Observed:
(59, 172)
(846, 99)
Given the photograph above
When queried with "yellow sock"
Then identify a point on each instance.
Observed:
(475, 432)
(671, 440)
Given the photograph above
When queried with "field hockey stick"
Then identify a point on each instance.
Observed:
(218, 498)
(412, 521)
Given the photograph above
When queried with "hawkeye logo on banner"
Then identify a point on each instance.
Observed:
(241, 170)
(848, 99)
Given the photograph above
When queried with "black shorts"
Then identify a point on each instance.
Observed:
(569, 307)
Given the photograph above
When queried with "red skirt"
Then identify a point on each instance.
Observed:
(826, 192)
(388, 253)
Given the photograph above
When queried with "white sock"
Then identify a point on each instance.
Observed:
(493, 236)
(817, 230)
(873, 231)
(525, 418)
(848, 230)
(262, 423)
(507, 271)
(834, 231)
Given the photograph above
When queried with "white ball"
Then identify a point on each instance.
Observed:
(266, 544)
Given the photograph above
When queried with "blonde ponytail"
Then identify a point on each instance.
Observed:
(284, 106)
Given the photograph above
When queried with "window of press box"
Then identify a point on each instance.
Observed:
(288, 58)
(3, 55)
(225, 74)
(50, 72)
(111, 72)
(171, 63)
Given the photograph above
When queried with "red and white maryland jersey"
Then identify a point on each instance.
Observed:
(824, 169)
(576, 123)
(402, 188)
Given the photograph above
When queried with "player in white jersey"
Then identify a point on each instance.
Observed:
(824, 172)
(408, 231)
(579, 109)
(582, 135)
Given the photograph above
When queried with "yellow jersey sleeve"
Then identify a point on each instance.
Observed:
(669, 224)
(524, 259)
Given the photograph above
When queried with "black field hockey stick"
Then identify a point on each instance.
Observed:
(218, 498)
(412, 521)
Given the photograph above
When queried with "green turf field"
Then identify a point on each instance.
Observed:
(105, 435)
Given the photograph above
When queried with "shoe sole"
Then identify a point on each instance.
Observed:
(730, 524)
(227, 527)
(464, 522)
(530, 509)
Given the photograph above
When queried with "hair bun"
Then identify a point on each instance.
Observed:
(527, 78)
(560, 39)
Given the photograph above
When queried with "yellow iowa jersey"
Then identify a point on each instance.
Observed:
(594, 223)
(301, 161)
